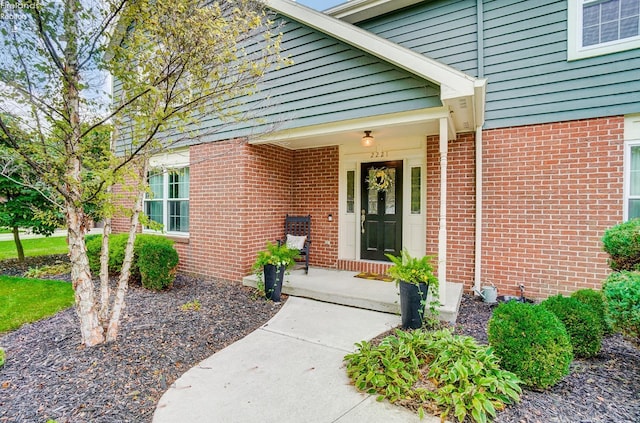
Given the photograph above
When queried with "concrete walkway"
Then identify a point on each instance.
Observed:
(289, 371)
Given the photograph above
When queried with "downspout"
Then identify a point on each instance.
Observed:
(442, 231)
(477, 284)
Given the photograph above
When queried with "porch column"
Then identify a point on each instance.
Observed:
(442, 232)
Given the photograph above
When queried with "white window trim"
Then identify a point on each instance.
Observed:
(575, 51)
(174, 160)
(627, 176)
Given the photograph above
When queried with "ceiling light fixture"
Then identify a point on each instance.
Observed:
(367, 140)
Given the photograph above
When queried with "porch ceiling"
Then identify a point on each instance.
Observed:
(384, 128)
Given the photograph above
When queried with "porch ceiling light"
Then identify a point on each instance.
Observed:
(367, 140)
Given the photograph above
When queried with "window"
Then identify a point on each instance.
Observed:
(351, 199)
(416, 189)
(167, 203)
(599, 27)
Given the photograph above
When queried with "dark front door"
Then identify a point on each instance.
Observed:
(381, 213)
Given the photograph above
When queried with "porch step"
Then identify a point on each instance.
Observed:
(342, 287)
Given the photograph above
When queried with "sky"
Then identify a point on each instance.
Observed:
(321, 4)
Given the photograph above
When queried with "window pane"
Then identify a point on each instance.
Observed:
(179, 216)
(373, 201)
(629, 27)
(351, 177)
(179, 183)
(629, 8)
(155, 185)
(609, 32)
(610, 10)
(415, 190)
(634, 171)
(634, 209)
(390, 197)
(153, 209)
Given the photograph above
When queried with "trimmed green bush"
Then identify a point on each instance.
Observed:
(622, 243)
(582, 324)
(157, 263)
(622, 295)
(2, 357)
(595, 300)
(530, 342)
(117, 245)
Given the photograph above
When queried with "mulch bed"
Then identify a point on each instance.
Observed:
(49, 375)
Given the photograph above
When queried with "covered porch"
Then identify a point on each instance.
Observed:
(343, 288)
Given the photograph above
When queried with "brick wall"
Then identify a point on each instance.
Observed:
(550, 191)
(460, 206)
(315, 192)
(239, 195)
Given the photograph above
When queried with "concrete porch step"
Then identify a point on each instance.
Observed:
(343, 288)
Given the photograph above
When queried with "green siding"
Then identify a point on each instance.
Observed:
(525, 59)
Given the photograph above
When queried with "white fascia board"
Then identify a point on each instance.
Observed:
(401, 118)
(452, 82)
(359, 10)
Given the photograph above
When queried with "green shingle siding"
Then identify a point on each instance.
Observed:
(530, 80)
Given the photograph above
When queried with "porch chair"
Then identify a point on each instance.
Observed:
(297, 232)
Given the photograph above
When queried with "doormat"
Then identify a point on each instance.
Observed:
(374, 276)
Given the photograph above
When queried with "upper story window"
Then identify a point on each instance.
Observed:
(598, 27)
(168, 200)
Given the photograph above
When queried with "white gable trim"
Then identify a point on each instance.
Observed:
(453, 83)
(359, 10)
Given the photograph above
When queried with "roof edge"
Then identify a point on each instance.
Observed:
(453, 83)
(360, 10)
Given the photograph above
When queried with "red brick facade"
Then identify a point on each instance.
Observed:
(549, 192)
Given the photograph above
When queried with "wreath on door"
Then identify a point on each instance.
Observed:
(379, 179)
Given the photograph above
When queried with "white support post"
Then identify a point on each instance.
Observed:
(442, 231)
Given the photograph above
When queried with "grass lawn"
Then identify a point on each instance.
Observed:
(25, 300)
(34, 247)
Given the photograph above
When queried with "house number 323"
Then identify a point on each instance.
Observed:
(379, 154)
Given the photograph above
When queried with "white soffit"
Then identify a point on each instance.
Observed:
(359, 10)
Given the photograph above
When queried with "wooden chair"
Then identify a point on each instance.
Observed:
(297, 232)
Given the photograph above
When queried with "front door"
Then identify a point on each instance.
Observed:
(381, 213)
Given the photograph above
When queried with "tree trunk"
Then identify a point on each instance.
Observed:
(90, 329)
(16, 239)
(105, 291)
(125, 273)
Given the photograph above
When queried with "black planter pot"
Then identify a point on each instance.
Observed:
(413, 301)
(273, 282)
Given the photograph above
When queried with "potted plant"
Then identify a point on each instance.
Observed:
(415, 278)
(271, 264)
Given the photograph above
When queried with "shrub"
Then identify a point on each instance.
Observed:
(595, 300)
(463, 377)
(622, 243)
(530, 342)
(2, 357)
(117, 245)
(622, 295)
(582, 324)
(157, 263)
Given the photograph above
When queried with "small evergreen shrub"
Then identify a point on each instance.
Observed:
(582, 324)
(117, 245)
(157, 263)
(530, 342)
(622, 243)
(595, 300)
(622, 295)
(2, 357)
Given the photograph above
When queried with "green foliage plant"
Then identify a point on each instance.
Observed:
(117, 244)
(595, 299)
(157, 263)
(194, 305)
(449, 374)
(278, 255)
(581, 322)
(48, 270)
(2, 357)
(416, 271)
(531, 342)
(622, 243)
(622, 294)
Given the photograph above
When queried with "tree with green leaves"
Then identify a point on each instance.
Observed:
(173, 62)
